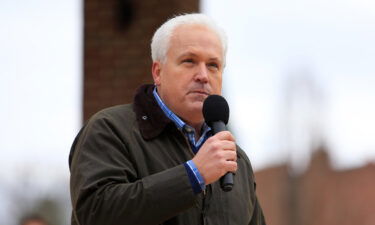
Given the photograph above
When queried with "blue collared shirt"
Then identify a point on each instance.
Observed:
(196, 179)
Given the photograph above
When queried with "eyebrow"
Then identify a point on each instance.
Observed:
(187, 54)
(195, 55)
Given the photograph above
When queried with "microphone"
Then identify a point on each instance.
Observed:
(216, 114)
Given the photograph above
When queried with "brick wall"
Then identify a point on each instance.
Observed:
(320, 196)
(117, 36)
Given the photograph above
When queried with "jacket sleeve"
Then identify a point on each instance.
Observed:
(105, 188)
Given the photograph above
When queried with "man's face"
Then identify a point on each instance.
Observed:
(192, 71)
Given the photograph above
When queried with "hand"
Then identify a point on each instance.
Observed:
(216, 157)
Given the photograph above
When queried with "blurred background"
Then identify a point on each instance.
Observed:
(300, 82)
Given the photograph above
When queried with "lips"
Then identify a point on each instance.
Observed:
(202, 92)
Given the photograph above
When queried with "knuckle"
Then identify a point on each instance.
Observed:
(216, 145)
(210, 140)
(218, 155)
(227, 134)
(223, 163)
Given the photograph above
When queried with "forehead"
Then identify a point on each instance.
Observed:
(197, 39)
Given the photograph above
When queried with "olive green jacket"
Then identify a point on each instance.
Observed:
(127, 167)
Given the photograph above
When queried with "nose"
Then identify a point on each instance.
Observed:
(201, 73)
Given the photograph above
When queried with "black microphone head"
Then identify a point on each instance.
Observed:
(215, 108)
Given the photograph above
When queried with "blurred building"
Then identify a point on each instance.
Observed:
(117, 55)
(319, 196)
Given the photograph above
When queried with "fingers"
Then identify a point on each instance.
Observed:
(228, 145)
(232, 166)
(220, 145)
(217, 156)
(227, 156)
(225, 135)
(224, 140)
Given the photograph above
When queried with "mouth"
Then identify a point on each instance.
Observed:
(200, 92)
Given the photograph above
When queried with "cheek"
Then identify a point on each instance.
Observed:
(175, 87)
(216, 85)
(173, 77)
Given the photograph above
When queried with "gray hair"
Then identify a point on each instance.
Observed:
(161, 39)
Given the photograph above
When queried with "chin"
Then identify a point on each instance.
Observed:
(197, 106)
(196, 111)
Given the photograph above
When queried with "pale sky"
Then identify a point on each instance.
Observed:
(40, 86)
(40, 98)
(271, 44)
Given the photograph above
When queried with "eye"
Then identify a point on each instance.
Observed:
(188, 60)
(213, 65)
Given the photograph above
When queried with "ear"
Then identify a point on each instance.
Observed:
(156, 70)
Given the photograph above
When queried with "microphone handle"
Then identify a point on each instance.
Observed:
(226, 181)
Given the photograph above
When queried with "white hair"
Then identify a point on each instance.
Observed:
(161, 39)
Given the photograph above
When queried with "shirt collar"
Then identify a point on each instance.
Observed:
(176, 120)
(181, 125)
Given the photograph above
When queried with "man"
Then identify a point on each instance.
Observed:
(155, 161)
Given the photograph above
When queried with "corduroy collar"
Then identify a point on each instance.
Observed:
(150, 117)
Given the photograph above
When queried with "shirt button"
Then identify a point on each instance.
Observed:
(188, 129)
(144, 117)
